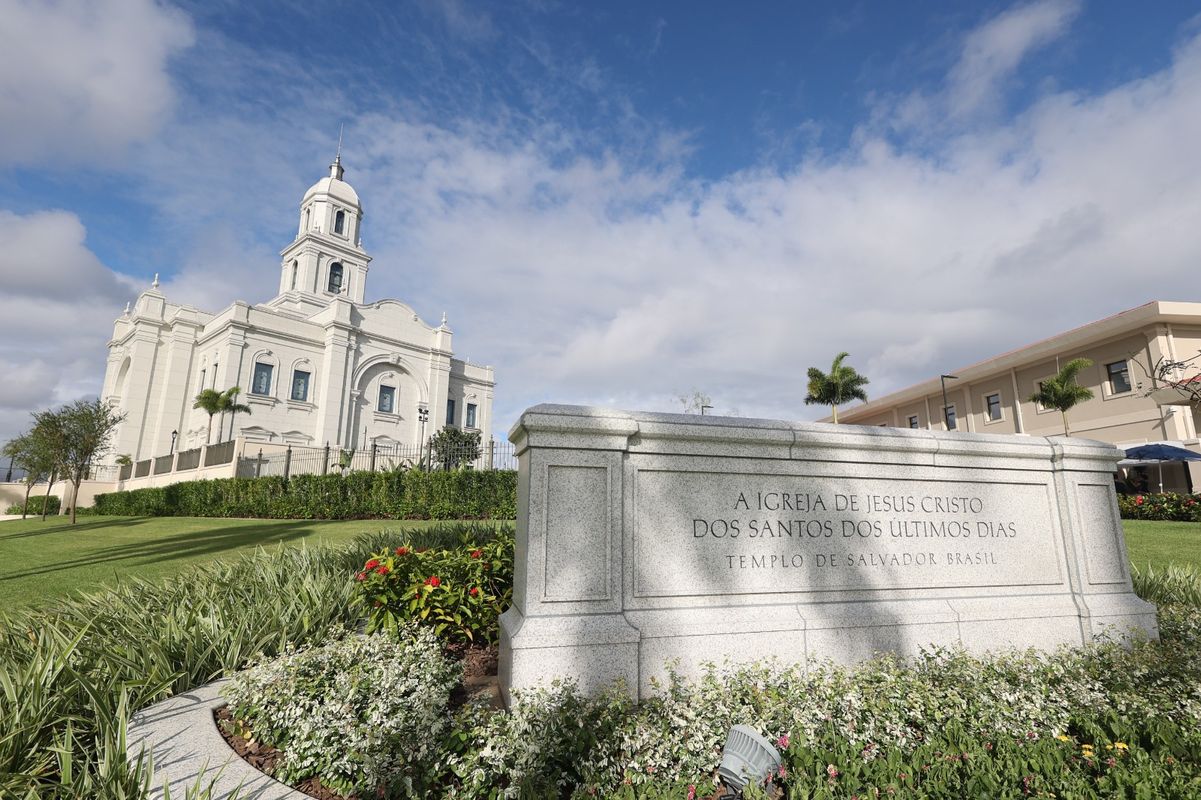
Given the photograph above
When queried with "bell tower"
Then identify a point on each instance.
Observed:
(327, 259)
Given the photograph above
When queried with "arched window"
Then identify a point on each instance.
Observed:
(340, 222)
(335, 278)
(295, 267)
(306, 219)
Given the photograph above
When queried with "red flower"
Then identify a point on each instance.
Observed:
(362, 576)
(475, 590)
(477, 553)
(1138, 501)
(402, 551)
(433, 580)
(372, 564)
(382, 569)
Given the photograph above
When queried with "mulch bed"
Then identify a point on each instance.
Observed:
(479, 675)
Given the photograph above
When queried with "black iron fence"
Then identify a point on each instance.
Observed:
(218, 454)
(375, 458)
(188, 459)
(163, 464)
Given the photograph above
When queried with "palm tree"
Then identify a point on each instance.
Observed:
(1062, 391)
(842, 385)
(229, 402)
(208, 401)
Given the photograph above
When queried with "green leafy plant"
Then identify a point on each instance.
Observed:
(366, 715)
(841, 385)
(400, 494)
(459, 592)
(453, 447)
(1163, 506)
(1061, 392)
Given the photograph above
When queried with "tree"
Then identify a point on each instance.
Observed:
(229, 402)
(696, 403)
(47, 432)
(85, 429)
(31, 454)
(452, 447)
(208, 401)
(841, 385)
(1062, 391)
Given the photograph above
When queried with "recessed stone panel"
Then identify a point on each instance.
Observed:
(747, 533)
(578, 534)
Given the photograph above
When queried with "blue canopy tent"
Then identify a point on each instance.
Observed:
(1157, 453)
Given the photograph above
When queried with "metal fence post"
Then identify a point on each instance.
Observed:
(491, 452)
(374, 446)
(325, 463)
(258, 464)
(287, 463)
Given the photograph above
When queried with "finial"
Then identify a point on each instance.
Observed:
(127, 308)
(443, 319)
(335, 169)
(154, 285)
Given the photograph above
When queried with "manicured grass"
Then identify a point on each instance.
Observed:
(43, 560)
(1163, 543)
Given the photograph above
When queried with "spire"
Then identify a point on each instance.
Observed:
(155, 284)
(335, 169)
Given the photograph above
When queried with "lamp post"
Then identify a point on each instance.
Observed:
(703, 407)
(946, 417)
(423, 414)
(174, 435)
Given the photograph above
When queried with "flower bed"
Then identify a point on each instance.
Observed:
(1165, 507)
(1093, 722)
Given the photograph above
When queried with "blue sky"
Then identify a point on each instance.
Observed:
(616, 203)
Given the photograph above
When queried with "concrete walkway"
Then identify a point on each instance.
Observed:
(182, 738)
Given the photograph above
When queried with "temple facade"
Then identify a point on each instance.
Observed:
(316, 364)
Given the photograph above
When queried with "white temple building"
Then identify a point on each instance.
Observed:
(316, 364)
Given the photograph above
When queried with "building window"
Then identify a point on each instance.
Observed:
(387, 399)
(450, 412)
(470, 421)
(949, 417)
(295, 269)
(993, 402)
(914, 422)
(306, 219)
(202, 379)
(335, 278)
(1119, 377)
(215, 365)
(340, 222)
(300, 385)
(262, 379)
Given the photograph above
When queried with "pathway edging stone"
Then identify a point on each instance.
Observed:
(181, 736)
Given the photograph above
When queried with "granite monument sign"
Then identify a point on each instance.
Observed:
(645, 539)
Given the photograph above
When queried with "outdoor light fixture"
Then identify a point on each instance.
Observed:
(747, 758)
(946, 417)
(174, 434)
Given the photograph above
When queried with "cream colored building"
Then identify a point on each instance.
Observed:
(316, 364)
(992, 396)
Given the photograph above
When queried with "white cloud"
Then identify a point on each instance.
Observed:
(82, 79)
(608, 280)
(994, 50)
(58, 305)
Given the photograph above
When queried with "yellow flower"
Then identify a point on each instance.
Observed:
(1061, 737)
(1121, 745)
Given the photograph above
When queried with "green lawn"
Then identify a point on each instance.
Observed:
(1161, 543)
(41, 560)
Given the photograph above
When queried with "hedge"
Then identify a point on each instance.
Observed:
(53, 504)
(409, 494)
(1165, 507)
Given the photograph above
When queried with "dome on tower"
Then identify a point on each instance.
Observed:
(334, 186)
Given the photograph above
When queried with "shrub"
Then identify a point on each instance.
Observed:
(1166, 507)
(459, 592)
(71, 674)
(360, 713)
(53, 504)
(402, 494)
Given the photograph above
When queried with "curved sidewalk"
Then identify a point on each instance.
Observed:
(181, 736)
